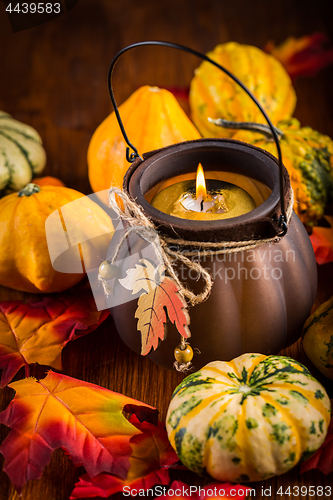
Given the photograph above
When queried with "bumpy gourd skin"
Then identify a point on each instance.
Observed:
(24, 255)
(214, 95)
(308, 157)
(318, 338)
(249, 419)
(152, 119)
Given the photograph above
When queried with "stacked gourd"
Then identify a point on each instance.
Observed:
(152, 118)
(213, 94)
(307, 154)
(25, 262)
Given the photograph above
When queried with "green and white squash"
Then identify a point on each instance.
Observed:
(247, 420)
(22, 155)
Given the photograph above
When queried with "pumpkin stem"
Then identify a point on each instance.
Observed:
(252, 126)
(29, 189)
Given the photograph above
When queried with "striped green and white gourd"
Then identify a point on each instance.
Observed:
(248, 419)
(22, 155)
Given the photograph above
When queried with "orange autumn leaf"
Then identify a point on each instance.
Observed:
(151, 456)
(160, 295)
(322, 242)
(304, 56)
(62, 412)
(36, 331)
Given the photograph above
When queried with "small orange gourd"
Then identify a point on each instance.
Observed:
(48, 180)
(84, 230)
(152, 119)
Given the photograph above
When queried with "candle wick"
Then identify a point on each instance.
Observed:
(201, 205)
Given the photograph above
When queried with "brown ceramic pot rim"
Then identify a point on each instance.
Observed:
(235, 156)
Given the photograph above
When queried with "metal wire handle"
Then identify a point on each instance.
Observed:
(282, 221)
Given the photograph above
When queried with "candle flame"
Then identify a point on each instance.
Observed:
(201, 183)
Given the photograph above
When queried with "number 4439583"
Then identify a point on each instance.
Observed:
(32, 8)
(302, 491)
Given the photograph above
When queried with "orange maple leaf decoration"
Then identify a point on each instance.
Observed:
(151, 457)
(62, 412)
(160, 294)
(36, 331)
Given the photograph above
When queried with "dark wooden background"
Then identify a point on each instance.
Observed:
(54, 77)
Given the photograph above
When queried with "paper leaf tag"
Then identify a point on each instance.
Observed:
(160, 297)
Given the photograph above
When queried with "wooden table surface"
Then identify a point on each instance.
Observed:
(54, 77)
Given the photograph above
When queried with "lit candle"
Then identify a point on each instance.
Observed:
(194, 200)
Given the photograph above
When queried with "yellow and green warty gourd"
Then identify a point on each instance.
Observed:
(22, 155)
(248, 419)
(213, 94)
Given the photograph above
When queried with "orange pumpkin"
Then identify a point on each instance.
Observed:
(48, 181)
(81, 228)
(152, 119)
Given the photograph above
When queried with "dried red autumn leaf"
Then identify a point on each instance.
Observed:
(322, 242)
(36, 331)
(304, 56)
(323, 458)
(151, 456)
(105, 485)
(179, 490)
(160, 294)
(63, 412)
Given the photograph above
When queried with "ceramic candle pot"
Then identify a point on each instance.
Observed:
(260, 297)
